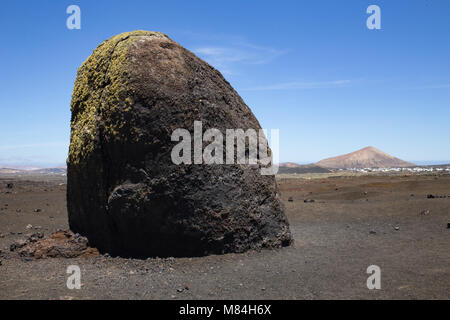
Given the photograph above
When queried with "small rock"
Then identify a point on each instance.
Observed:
(425, 212)
(9, 185)
(37, 235)
(290, 199)
(448, 225)
(17, 245)
(180, 290)
(309, 200)
(365, 193)
(18, 210)
(29, 226)
(186, 286)
(411, 195)
(397, 228)
(430, 196)
(37, 210)
(372, 232)
(263, 289)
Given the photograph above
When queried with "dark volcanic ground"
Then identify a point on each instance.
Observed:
(351, 225)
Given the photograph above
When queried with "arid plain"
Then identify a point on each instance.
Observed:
(353, 222)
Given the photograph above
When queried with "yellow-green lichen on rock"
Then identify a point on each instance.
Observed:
(100, 86)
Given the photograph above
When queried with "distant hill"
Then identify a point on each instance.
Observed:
(10, 171)
(368, 157)
(49, 171)
(40, 171)
(291, 167)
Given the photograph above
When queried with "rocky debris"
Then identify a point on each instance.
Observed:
(61, 244)
(309, 200)
(433, 196)
(124, 192)
(17, 245)
(9, 185)
(291, 199)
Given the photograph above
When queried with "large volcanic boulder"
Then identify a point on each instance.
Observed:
(124, 193)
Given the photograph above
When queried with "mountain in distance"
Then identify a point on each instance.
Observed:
(10, 171)
(292, 167)
(289, 165)
(368, 157)
(33, 171)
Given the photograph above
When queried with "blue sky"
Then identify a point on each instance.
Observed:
(310, 68)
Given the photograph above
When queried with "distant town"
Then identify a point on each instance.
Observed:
(418, 169)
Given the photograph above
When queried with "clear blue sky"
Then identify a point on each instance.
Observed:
(310, 68)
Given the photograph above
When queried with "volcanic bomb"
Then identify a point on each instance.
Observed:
(125, 194)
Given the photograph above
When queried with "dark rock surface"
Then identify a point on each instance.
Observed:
(125, 194)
